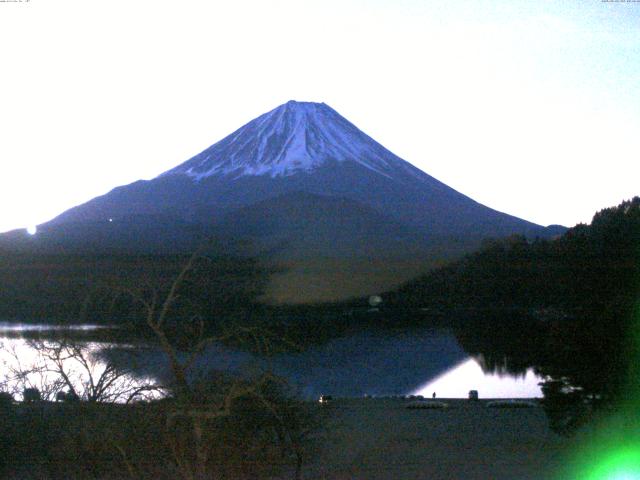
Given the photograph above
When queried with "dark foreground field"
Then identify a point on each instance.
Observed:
(354, 439)
(382, 439)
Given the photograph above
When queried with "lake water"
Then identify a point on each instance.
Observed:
(419, 362)
(35, 356)
(468, 375)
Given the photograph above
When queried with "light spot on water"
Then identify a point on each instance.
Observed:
(468, 375)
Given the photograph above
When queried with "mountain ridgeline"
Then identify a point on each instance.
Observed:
(299, 186)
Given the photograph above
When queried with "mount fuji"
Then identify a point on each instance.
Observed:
(305, 188)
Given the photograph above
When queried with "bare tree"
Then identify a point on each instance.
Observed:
(203, 410)
(79, 369)
(208, 422)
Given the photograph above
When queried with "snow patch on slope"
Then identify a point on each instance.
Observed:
(294, 137)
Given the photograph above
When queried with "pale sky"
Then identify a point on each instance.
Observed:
(529, 107)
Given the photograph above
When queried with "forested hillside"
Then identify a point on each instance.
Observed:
(568, 307)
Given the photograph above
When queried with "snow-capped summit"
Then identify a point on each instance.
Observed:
(300, 164)
(294, 137)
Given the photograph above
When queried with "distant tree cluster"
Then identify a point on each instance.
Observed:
(79, 288)
(589, 266)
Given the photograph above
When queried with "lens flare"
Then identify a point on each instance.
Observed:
(612, 450)
(619, 464)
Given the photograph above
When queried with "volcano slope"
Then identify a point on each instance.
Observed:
(303, 189)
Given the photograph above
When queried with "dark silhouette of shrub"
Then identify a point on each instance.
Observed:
(30, 395)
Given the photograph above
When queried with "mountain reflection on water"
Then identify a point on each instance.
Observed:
(382, 363)
(367, 363)
(469, 375)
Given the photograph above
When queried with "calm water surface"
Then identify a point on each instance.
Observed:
(417, 362)
(33, 356)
